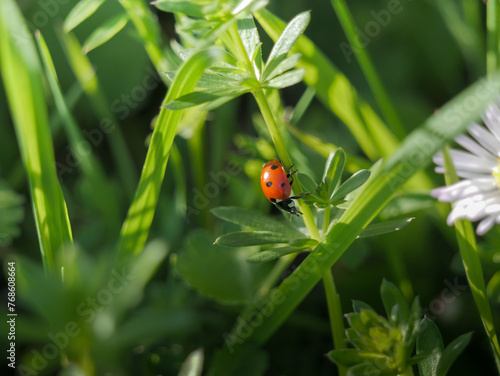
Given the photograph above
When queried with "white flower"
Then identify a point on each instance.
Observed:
(477, 196)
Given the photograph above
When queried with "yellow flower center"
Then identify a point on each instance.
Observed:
(496, 173)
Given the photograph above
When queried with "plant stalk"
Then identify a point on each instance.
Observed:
(348, 25)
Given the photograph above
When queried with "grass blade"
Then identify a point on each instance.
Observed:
(364, 60)
(472, 265)
(85, 74)
(22, 79)
(492, 36)
(100, 190)
(336, 92)
(83, 10)
(104, 33)
(135, 229)
(438, 129)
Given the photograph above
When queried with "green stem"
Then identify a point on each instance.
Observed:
(263, 104)
(335, 314)
(326, 220)
(472, 264)
(492, 36)
(364, 60)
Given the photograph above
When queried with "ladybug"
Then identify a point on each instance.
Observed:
(277, 186)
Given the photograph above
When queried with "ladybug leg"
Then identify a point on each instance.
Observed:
(290, 175)
(302, 195)
(285, 206)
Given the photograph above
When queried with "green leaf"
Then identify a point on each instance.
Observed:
(375, 229)
(189, 8)
(493, 288)
(354, 320)
(251, 41)
(236, 280)
(368, 369)
(304, 243)
(248, 238)
(273, 254)
(358, 305)
(286, 79)
(199, 97)
(286, 65)
(193, 365)
(443, 126)
(351, 357)
(334, 167)
(143, 268)
(406, 204)
(101, 194)
(429, 342)
(255, 220)
(354, 182)
(141, 212)
(80, 12)
(216, 81)
(451, 353)
(413, 327)
(285, 42)
(11, 213)
(307, 182)
(21, 75)
(392, 296)
(355, 338)
(105, 32)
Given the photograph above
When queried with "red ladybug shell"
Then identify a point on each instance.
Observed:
(274, 181)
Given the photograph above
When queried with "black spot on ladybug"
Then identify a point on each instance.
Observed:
(283, 184)
(274, 167)
(269, 183)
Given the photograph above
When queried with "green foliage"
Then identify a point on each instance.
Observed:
(208, 291)
(11, 213)
(386, 345)
(437, 360)
(228, 79)
(104, 33)
(21, 72)
(235, 282)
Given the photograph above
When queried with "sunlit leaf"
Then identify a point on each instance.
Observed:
(375, 229)
(105, 32)
(286, 79)
(286, 41)
(80, 12)
(235, 280)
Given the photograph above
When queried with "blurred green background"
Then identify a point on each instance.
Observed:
(422, 64)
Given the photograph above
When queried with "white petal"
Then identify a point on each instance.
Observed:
(485, 225)
(492, 120)
(471, 145)
(465, 161)
(485, 138)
